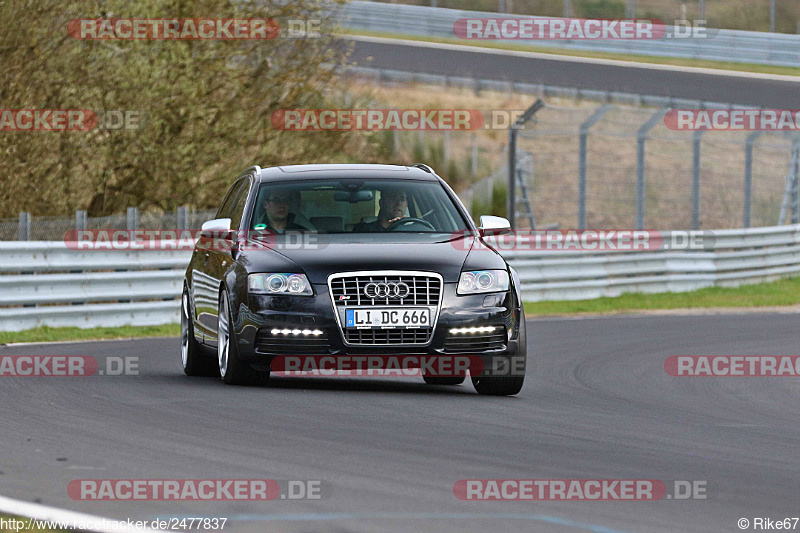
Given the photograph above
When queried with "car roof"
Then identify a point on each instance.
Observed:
(344, 171)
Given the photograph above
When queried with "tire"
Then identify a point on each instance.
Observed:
(432, 380)
(498, 385)
(231, 369)
(505, 385)
(194, 361)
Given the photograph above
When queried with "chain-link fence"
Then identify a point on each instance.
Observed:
(55, 228)
(612, 166)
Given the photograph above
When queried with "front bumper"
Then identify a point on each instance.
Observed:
(261, 314)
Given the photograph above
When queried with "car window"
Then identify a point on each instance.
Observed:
(224, 210)
(356, 206)
(238, 203)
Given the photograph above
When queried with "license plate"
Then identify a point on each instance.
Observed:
(388, 317)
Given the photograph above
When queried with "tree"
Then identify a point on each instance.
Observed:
(204, 105)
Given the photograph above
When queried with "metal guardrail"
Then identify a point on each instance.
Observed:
(737, 257)
(45, 283)
(535, 89)
(725, 45)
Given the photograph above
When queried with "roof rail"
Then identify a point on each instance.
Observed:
(426, 168)
(255, 168)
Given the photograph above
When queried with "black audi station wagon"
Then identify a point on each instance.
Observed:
(342, 260)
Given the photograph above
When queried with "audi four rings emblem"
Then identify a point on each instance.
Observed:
(386, 290)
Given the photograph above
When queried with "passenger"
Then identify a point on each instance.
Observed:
(277, 216)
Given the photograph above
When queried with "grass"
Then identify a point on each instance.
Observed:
(778, 293)
(698, 63)
(772, 294)
(47, 334)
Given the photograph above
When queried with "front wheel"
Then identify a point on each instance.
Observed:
(231, 369)
(514, 373)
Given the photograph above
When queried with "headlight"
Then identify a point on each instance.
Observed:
(479, 281)
(292, 284)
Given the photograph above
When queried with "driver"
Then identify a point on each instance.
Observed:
(393, 206)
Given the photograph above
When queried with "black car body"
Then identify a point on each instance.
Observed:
(421, 263)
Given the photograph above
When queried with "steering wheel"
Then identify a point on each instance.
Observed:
(409, 220)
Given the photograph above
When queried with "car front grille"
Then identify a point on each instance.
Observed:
(387, 336)
(424, 289)
(466, 343)
(268, 344)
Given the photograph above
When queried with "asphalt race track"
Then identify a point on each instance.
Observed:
(416, 57)
(597, 404)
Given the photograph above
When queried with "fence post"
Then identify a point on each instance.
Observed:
(772, 16)
(567, 9)
(81, 220)
(748, 176)
(474, 154)
(630, 9)
(24, 226)
(511, 194)
(641, 138)
(584, 134)
(796, 182)
(183, 217)
(133, 218)
(446, 147)
(696, 142)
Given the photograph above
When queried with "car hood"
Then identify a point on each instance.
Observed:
(444, 256)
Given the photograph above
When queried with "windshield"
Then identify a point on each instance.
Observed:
(356, 206)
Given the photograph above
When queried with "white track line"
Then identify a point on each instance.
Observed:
(45, 343)
(43, 512)
(572, 59)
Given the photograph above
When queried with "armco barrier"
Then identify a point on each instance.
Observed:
(725, 45)
(45, 283)
(737, 257)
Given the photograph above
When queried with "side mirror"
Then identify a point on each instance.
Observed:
(218, 224)
(491, 225)
(217, 228)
